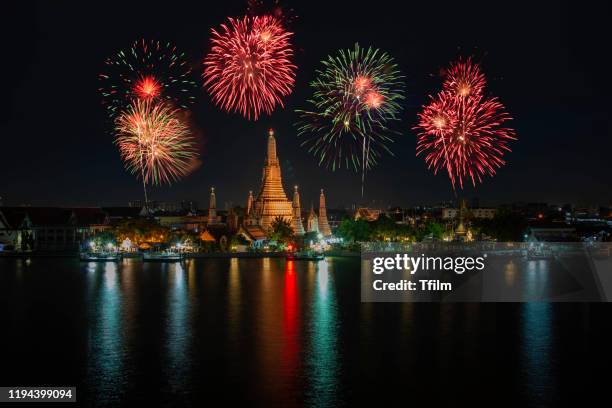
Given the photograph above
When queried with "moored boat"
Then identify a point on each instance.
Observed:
(305, 256)
(99, 256)
(163, 256)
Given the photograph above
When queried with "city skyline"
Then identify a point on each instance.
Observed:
(65, 155)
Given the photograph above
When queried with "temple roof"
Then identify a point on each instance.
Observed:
(254, 232)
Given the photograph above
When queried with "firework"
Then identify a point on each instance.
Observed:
(148, 70)
(464, 133)
(356, 94)
(154, 143)
(249, 68)
(437, 123)
(464, 78)
(147, 87)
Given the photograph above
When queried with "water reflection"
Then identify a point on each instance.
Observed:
(510, 272)
(290, 333)
(234, 301)
(178, 327)
(536, 277)
(269, 340)
(536, 344)
(291, 344)
(105, 335)
(322, 358)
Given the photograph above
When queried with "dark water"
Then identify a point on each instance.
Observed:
(275, 333)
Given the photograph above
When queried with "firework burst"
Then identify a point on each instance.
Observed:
(147, 88)
(464, 133)
(249, 68)
(356, 94)
(154, 143)
(464, 78)
(148, 70)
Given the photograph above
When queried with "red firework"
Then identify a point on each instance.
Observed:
(464, 78)
(463, 132)
(249, 68)
(147, 87)
(437, 122)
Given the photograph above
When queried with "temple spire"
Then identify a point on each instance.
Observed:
(212, 208)
(272, 158)
(249, 203)
(271, 202)
(323, 223)
(313, 220)
(298, 227)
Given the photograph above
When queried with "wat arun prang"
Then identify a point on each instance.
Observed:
(272, 202)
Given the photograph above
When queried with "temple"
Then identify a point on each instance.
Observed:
(212, 208)
(323, 223)
(296, 224)
(272, 202)
(313, 221)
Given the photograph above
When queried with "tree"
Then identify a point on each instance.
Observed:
(385, 228)
(305, 240)
(434, 229)
(431, 229)
(281, 230)
(103, 239)
(354, 230)
(141, 230)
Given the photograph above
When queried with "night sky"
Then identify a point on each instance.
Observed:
(546, 61)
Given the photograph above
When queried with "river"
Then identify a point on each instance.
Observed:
(283, 333)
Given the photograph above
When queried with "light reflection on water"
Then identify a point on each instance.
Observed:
(536, 351)
(291, 322)
(288, 348)
(178, 328)
(322, 355)
(538, 273)
(283, 333)
(106, 352)
(234, 300)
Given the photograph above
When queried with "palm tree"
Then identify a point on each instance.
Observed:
(281, 230)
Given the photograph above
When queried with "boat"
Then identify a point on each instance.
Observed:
(163, 256)
(304, 256)
(99, 256)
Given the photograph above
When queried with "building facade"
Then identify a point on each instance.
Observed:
(479, 213)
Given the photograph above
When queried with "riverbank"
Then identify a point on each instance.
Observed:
(72, 254)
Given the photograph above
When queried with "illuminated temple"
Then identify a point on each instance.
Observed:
(272, 202)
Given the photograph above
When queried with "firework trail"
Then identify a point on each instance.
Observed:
(154, 143)
(148, 70)
(356, 95)
(461, 130)
(249, 68)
